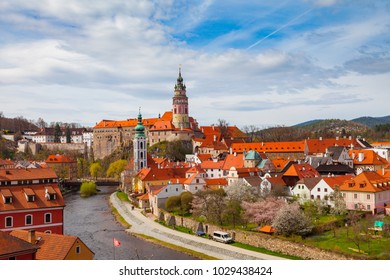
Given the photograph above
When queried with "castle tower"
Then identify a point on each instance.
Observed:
(139, 145)
(180, 117)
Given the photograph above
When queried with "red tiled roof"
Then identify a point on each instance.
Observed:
(337, 181)
(27, 174)
(267, 229)
(59, 159)
(210, 164)
(6, 162)
(13, 246)
(270, 147)
(51, 246)
(302, 171)
(162, 125)
(204, 157)
(319, 146)
(19, 200)
(369, 157)
(232, 160)
(366, 181)
(216, 181)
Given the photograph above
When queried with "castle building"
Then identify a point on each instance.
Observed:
(173, 125)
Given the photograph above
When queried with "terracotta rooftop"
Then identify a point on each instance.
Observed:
(302, 171)
(270, 147)
(12, 246)
(19, 200)
(366, 181)
(51, 246)
(27, 174)
(59, 159)
(319, 145)
(366, 157)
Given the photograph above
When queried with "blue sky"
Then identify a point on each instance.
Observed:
(257, 63)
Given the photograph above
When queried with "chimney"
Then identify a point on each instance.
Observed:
(215, 138)
(320, 138)
(31, 237)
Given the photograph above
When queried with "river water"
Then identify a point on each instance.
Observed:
(92, 221)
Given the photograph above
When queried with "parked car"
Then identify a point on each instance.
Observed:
(221, 236)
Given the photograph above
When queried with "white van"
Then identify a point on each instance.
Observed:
(221, 236)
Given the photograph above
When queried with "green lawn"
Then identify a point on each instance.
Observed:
(122, 196)
(371, 246)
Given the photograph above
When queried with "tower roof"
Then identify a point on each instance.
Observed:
(139, 128)
(179, 83)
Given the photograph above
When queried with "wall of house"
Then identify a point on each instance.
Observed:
(38, 220)
(84, 254)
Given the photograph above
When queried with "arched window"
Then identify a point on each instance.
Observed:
(141, 155)
(29, 220)
(47, 218)
(141, 144)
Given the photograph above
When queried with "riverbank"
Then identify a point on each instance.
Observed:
(142, 225)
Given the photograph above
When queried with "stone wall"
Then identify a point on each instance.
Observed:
(79, 147)
(257, 239)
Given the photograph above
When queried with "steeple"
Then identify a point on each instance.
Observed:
(180, 118)
(139, 129)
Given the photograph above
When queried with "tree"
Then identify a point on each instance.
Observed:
(290, 219)
(115, 168)
(57, 133)
(41, 123)
(340, 207)
(68, 135)
(210, 204)
(87, 188)
(250, 131)
(95, 169)
(223, 128)
(264, 211)
(240, 191)
(173, 203)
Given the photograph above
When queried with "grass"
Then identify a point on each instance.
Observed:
(374, 247)
(175, 247)
(264, 251)
(119, 218)
(122, 196)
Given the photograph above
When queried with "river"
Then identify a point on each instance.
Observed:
(92, 221)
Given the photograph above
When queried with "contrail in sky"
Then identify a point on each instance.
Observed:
(280, 28)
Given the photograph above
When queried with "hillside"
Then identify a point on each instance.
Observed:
(371, 121)
(18, 124)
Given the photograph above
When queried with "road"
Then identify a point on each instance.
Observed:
(140, 224)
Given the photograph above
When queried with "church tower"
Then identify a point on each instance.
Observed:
(180, 117)
(139, 145)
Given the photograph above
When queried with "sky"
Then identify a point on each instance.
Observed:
(261, 63)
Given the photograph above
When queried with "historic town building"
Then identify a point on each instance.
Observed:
(173, 125)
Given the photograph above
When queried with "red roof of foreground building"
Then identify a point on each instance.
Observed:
(19, 200)
(59, 159)
(51, 246)
(11, 246)
(316, 146)
(366, 157)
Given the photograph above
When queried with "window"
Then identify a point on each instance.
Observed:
(325, 190)
(318, 189)
(78, 249)
(368, 207)
(8, 221)
(47, 218)
(368, 197)
(8, 199)
(28, 220)
(355, 195)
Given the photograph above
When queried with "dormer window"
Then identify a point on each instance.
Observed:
(50, 193)
(7, 196)
(29, 194)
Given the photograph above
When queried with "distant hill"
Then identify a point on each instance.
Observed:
(372, 121)
(18, 124)
(308, 123)
(336, 126)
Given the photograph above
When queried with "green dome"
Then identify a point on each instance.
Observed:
(139, 128)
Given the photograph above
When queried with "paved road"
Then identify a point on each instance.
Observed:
(141, 224)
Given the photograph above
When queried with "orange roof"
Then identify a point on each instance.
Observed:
(270, 147)
(143, 197)
(210, 164)
(216, 181)
(319, 146)
(366, 157)
(59, 159)
(162, 174)
(51, 246)
(13, 246)
(232, 160)
(301, 171)
(162, 125)
(204, 157)
(6, 162)
(167, 116)
(367, 181)
(27, 174)
(125, 123)
(19, 200)
(380, 144)
(280, 163)
(232, 132)
(337, 181)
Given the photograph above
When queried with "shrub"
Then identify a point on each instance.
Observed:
(87, 188)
